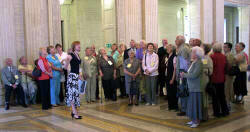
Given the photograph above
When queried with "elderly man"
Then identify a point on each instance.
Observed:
(182, 65)
(11, 80)
(162, 53)
(132, 46)
(89, 74)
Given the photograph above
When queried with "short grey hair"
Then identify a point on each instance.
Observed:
(173, 47)
(217, 48)
(131, 51)
(199, 52)
(180, 37)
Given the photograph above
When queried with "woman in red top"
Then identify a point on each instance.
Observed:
(44, 79)
(218, 79)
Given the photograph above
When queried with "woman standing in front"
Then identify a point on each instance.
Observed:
(107, 71)
(72, 95)
(55, 82)
(132, 70)
(194, 75)
(150, 64)
(44, 79)
(240, 83)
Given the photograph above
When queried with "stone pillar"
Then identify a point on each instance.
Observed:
(150, 20)
(194, 9)
(218, 34)
(206, 21)
(244, 25)
(129, 20)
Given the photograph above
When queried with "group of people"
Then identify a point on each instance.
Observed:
(192, 74)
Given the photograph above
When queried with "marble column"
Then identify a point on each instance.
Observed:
(244, 25)
(150, 20)
(206, 21)
(194, 9)
(218, 26)
(129, 24)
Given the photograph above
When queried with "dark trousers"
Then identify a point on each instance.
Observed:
(97, 88)
(19, 94)
(219, 100)
(45, 93)
(160, 84)
(172, 95)
(109, 89)
(122, 86)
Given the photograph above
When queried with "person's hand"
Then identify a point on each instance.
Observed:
(51, 74)
(14, 86)
(147, 72)
(114, 76)
(171, 82)
(182, 74)
(85, 76)
(101, 74)
(80, 77)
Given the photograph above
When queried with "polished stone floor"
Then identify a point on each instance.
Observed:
(117, 117)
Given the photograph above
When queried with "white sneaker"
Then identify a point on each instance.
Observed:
(190, 123)
(147, 104)
(153, 104)
(194, 125)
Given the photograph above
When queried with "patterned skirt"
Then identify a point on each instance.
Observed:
(72, 95)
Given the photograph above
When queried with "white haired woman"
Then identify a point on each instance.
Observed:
(194, 75)
(220, 107)
(132, 70)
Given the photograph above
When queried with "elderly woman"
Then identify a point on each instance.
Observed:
(207, 72)
(55, 82)
(194, 75)
(89, 74)
(132, 70)
(218, 79)
(119, 65)
(107, 70)
(29, 86)
(44, 79)
(240, 83)
(170, 73)
(114, 53)
(150, 64)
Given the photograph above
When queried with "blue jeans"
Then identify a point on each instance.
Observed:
(55, 90)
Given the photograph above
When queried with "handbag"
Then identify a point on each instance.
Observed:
(182, 90)
(36, 72)
(210, 88)
(235, 70)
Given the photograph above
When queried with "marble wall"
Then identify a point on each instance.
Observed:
(83, 22)
(170, 20)
(24, 27)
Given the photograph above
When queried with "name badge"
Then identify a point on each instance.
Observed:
(204, 61)
(129, 65)
(110, 63)
(152, 64)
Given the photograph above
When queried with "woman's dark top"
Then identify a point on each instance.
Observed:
(170, 66)
(107, 67)
(74, 64)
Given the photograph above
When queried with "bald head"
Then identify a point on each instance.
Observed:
(164, 42)
(8, 62)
